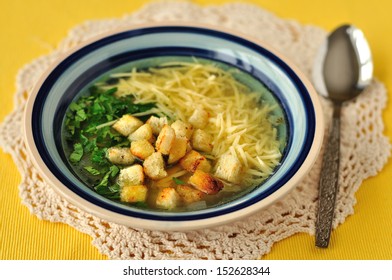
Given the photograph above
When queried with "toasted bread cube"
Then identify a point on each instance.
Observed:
(205, 182)
(131, 176)
(165, 140)
(182, 129)
(167, 198)
(228, 168)
(121, 156)
(178, 150)
(189, 194)
(127, 124)
(142, 149)
(157, 124)
(143, 132)
(154, 166)
(202, 141)
(133, 194)
(193, 161)
(199, 118)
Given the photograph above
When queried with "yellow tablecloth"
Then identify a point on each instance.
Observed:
(30, 28)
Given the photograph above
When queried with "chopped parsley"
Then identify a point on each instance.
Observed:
(77, 153)
(92, 170)
(88, 132)
(178, 181)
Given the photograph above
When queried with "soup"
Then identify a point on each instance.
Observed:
(179, 135)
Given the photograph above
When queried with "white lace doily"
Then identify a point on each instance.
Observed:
(365, 149)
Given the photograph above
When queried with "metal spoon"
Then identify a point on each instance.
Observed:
(345, 70)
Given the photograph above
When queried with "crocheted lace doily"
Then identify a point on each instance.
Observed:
(365, 149)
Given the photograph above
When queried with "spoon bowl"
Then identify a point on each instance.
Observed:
(345, 66)
(344, 71)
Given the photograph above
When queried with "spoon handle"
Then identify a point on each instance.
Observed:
(328, 186)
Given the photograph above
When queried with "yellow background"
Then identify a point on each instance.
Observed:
(29, 29)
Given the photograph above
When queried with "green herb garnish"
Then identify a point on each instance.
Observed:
(178, 181)
(92, 170)
(88, 124)
(77, 153)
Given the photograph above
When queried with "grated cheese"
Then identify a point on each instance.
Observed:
(238, 120)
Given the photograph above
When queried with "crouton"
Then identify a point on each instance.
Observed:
(133, 194)
(143, 132)
(127, 124)
(199, 118)
(189, 194)
(167, 198)
(131, 176)
(202, 141)
(121, 156)
(228, 168)
(141, 149)
(205, 182)
(154, 166)
(193, 161)
(165, 140)
(157, 124)
(182, 129)
(178, 149)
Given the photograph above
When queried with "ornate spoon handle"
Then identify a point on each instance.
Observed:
(328, 187)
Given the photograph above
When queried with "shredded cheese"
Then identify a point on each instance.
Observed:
(238, 120)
